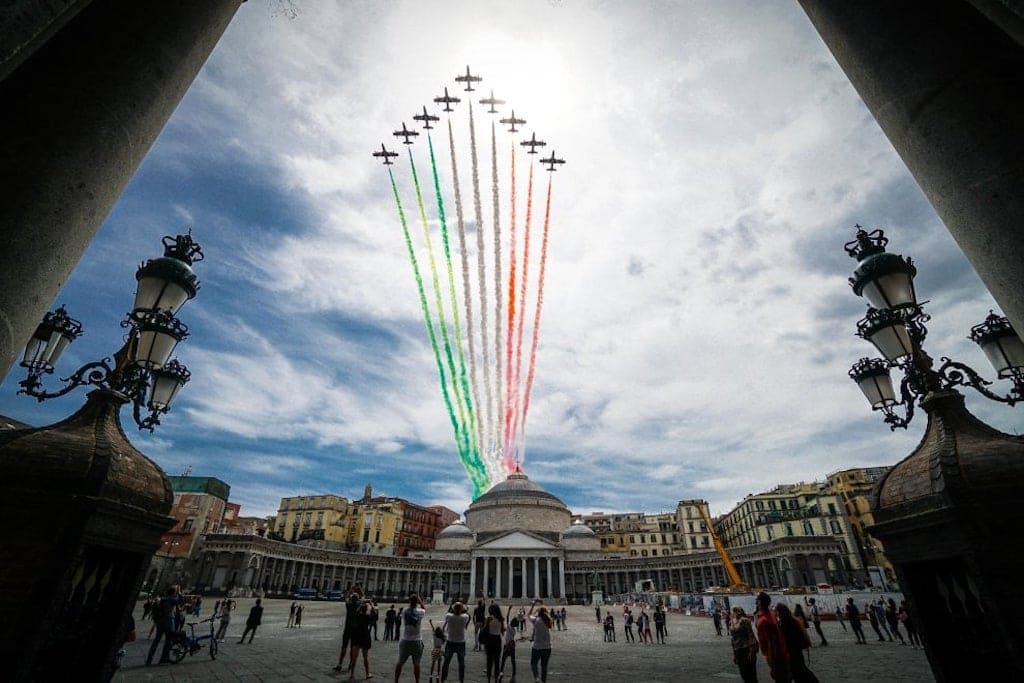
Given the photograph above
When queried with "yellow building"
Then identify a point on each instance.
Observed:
(373, 527)
(853, 486)
(316, 518)
(693, 529)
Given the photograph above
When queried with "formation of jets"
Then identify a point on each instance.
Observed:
(386, 155)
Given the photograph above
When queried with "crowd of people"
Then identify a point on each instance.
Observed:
(780, 632)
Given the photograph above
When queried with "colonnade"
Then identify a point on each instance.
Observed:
(517, 576)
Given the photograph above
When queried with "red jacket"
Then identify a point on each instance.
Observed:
(769, 634)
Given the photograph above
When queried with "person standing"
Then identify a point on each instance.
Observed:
(816, 620)
(659, 623)
(716, 617)
(744, 645)
(163, 622)
(541, 652)
(225, 618)
(360, 639)
(374, 617)
(494, 629)
(479, 617)
(455, 623)
(839, 617)
(597, 613)
(352, 602)
(878, 609)
(253, 621)
(565, 622)
(508, 645)
(609, 627)
(389, 624)
(411, 642)
(853, 614)
(298, 617)
(627, 619)
(908, 623)
(873, 620)
(771, 640)
(648, 637)
(795, 634)
(798, 614)
(291, 616)
(892, 618)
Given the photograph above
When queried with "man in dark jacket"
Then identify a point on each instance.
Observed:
(163, 620)
(253, 621)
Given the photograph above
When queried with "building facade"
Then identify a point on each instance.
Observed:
(314, 518)
(805, 510)
(854, 486)
(518, 541)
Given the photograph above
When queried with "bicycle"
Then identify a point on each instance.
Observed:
(191, 644)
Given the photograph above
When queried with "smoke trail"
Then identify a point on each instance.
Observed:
(474, 475)
(510, 327)
(481, 261)
(442, 323)
(451, 290)
(521, 323)
(536, 312)
(492, 433)
(467, 291)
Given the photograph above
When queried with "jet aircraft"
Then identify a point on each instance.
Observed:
(533, 143)
(405, 133)
(469, 79)
(492, 102)
(426, 118)
(551, 161)
(386, 154)
(512, 121)
(447, 100)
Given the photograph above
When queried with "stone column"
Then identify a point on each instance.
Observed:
(487, 575)
(561, 578)
(472, 579)
(550, 588)
(536, 577)
(90, 102)
(945, 81)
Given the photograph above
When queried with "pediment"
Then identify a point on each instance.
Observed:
(517, 540)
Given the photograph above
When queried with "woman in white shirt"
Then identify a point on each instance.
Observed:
(541, 641)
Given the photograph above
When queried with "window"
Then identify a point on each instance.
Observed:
(831, 508)
(759, 505)
(808, 529)
(789, 529)
(187, 526)
(643, 553)
(632, 539)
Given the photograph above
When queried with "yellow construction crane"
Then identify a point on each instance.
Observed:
(736, 584)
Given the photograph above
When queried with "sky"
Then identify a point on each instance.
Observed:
(697, 325)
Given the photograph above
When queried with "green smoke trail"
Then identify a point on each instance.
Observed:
(462, 377)
(470, 469)
(471, 454)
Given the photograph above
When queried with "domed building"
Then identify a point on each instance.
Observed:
(516, 540)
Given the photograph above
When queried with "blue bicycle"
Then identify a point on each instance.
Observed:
(191, 644)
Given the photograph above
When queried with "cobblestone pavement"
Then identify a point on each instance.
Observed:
(693, 653)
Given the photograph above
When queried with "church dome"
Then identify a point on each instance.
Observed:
(455, 530)
(517, 503)
(578, 529)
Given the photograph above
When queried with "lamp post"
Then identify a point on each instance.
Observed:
(895, 325)
(948, 514)
(142, 371)
(86, 508)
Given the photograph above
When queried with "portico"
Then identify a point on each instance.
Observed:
(517, 565)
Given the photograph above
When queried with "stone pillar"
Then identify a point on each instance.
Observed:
(90, 102)
(945, 81)
(472, 579)
(536, 577)
(487, 576)
(550, 588)
(561, 578)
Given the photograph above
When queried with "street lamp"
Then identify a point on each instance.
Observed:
(142, 371)
(895, 325)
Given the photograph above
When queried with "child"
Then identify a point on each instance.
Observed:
(437, 654)
(508, 645)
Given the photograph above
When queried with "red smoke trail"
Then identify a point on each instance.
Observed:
(521, 323)
(536, 312)
(509, 403)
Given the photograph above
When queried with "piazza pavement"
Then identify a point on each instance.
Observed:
(692, 653)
